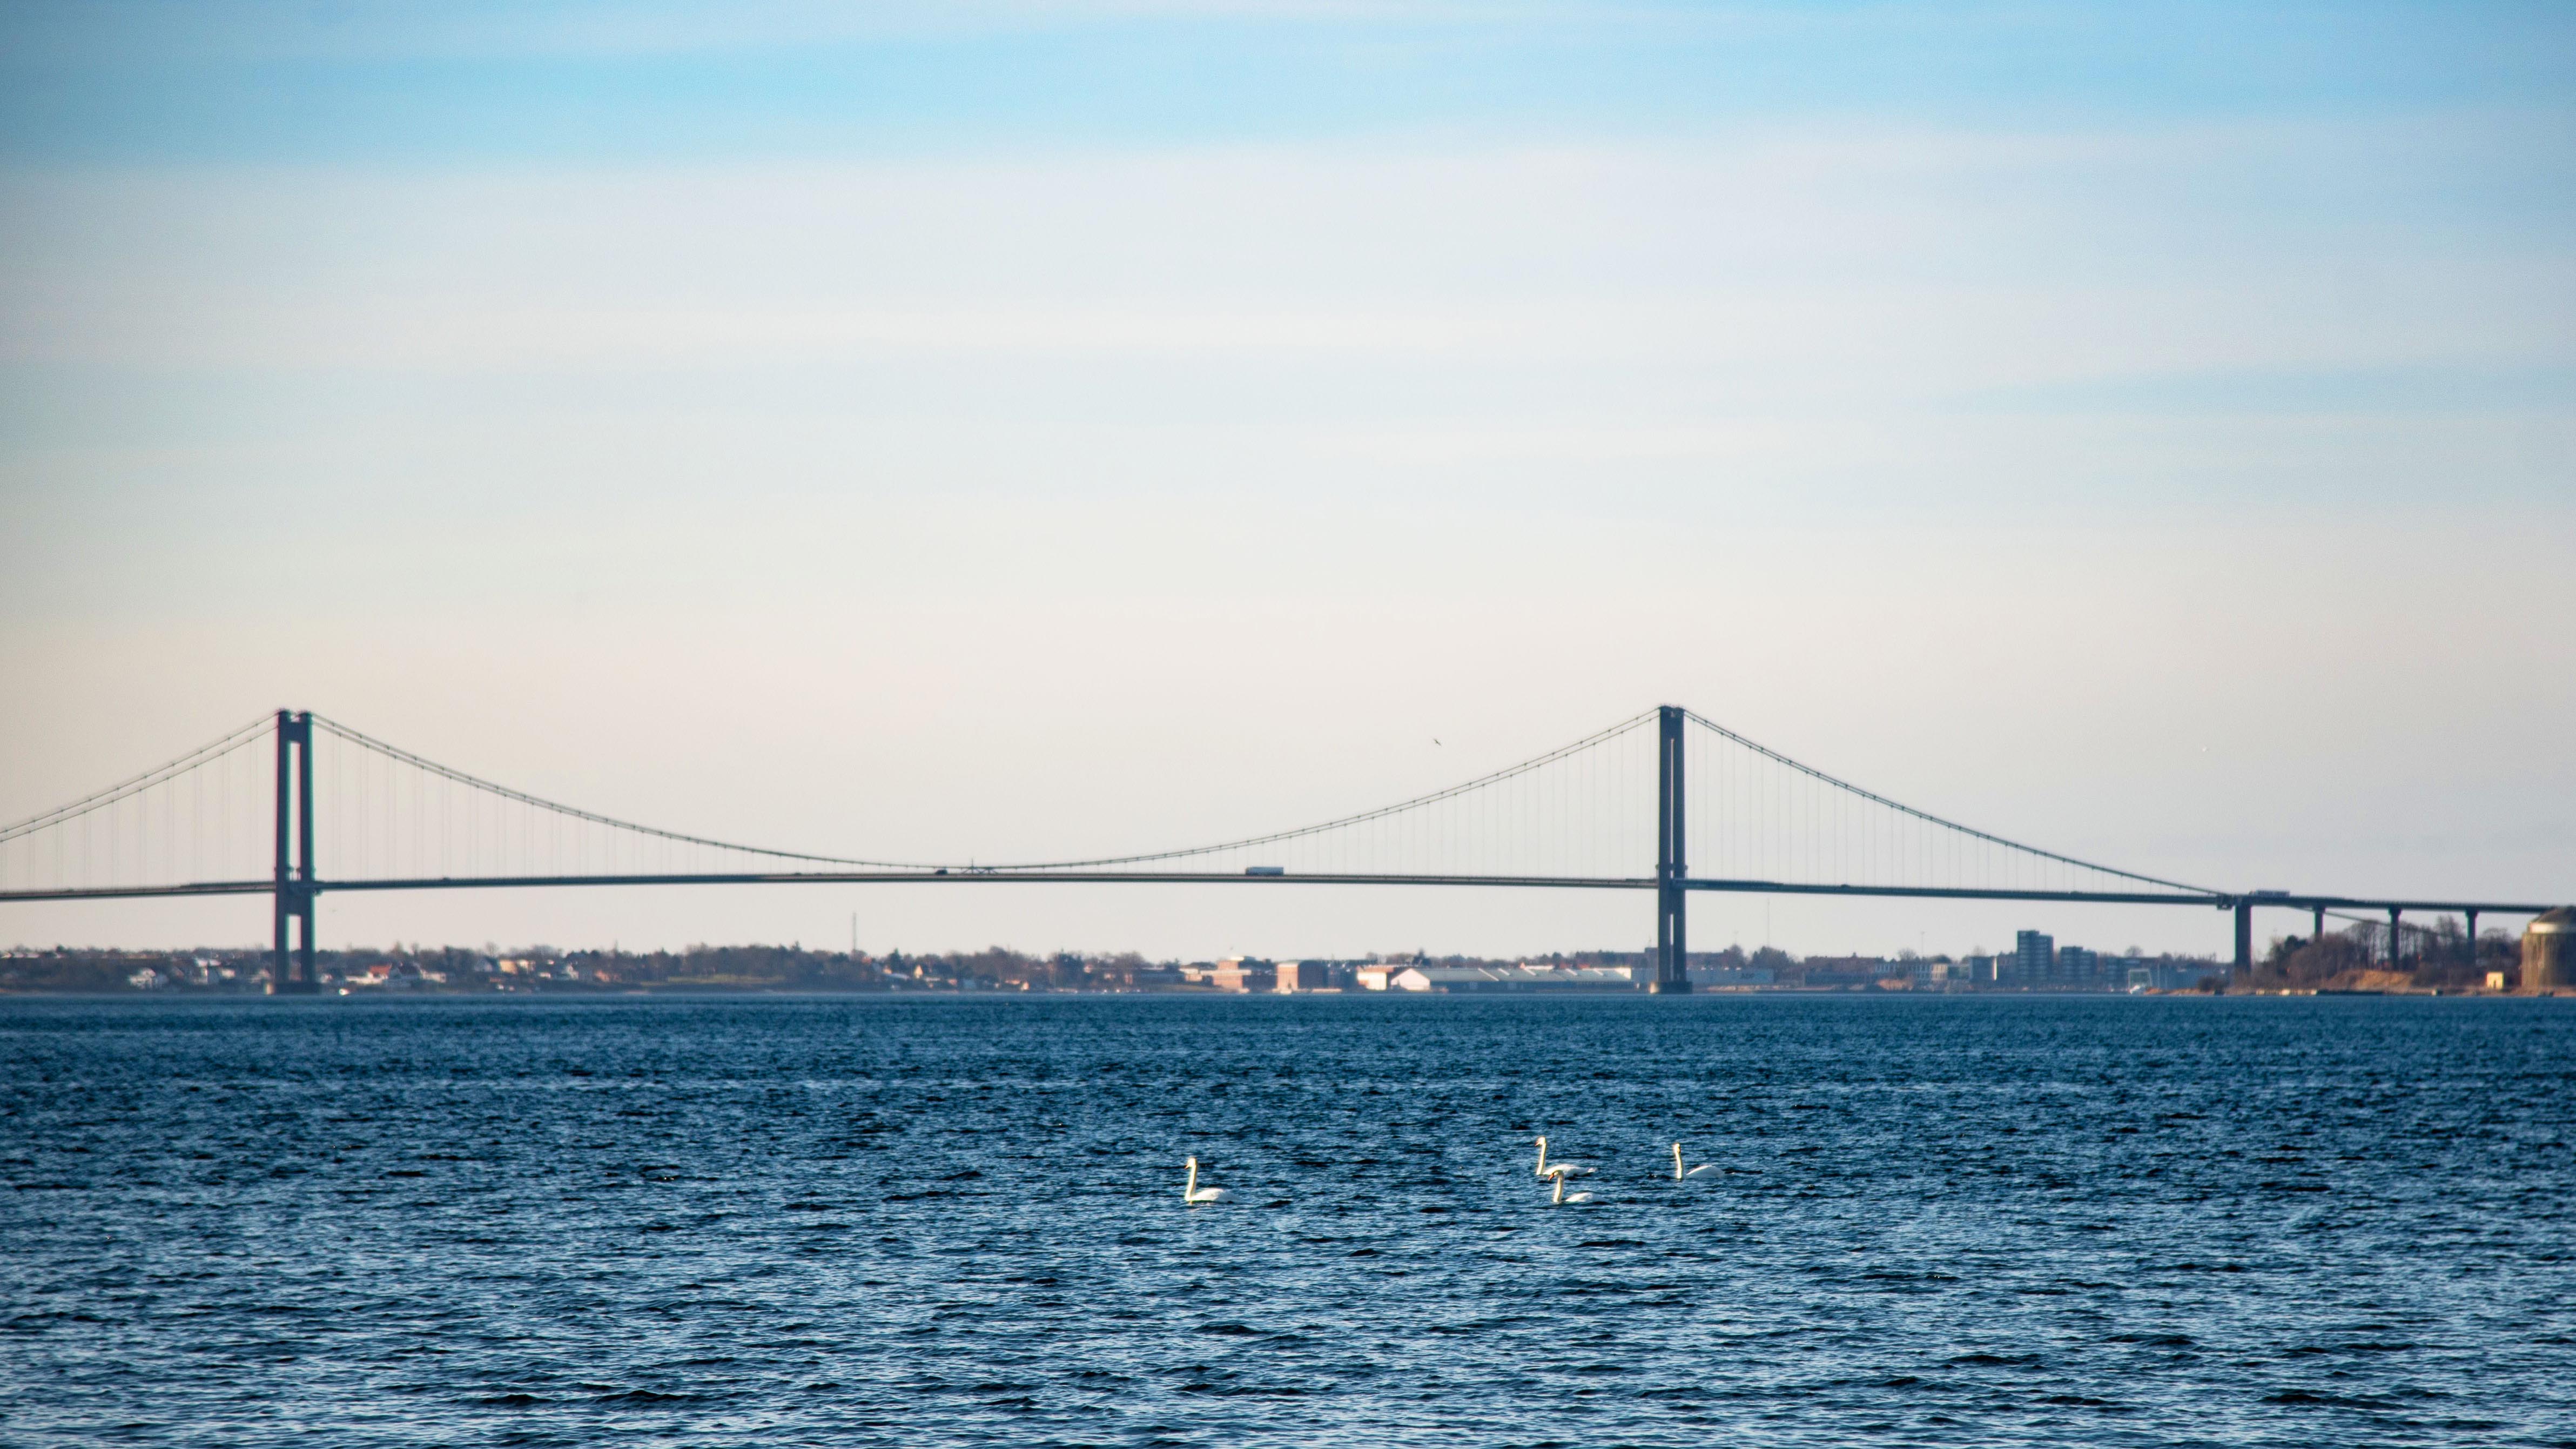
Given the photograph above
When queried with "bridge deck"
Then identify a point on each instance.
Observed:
(1168, 877)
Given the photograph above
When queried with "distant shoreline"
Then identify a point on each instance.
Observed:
(629, 996)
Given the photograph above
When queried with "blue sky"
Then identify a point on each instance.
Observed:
(2118, 426)
(146, 83)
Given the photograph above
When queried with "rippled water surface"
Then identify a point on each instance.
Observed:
(828, 1221)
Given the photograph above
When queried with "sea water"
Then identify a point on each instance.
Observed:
(914, 1220)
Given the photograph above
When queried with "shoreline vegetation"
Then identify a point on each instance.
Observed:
(2441, 962)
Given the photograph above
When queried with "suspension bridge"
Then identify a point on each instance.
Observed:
(295, 806)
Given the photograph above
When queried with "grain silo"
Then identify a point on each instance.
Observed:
(2549, 950)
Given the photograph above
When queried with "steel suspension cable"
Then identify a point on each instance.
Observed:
(1364, 817)
(158, 774)
(498, 794)
(502, 793)
(1813, 773)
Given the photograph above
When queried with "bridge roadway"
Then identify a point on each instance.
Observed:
(963, 875)
(296, 896)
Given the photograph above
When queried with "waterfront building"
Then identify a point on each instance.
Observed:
(2162, 973)
(1296, 977)
(1241, 973)
(2549, 950)
(1469, 979)
(1844, 970)
(2034, 957)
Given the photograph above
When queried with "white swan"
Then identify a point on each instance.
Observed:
(1563, 1197)
(1194, 1194)
(1678, 1174)
(1560, 1169)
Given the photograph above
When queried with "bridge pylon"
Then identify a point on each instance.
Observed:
(294, 889)
(1672, 902)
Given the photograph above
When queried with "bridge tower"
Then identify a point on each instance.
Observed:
(1672, 948)
(294, 892)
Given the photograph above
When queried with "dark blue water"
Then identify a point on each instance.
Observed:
(1946, 1221)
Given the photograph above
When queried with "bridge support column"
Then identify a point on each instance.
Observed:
(2244, 969)
(1672, 935)
(2317, 932)
(293, 892)
(2396, 943)
(2473, 940)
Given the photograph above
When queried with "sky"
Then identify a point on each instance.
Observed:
(2148, 431)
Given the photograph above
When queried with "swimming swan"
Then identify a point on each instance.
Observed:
(1678, 1174)
(1562, 1169)
(1561, 1196)
(1194, 1194)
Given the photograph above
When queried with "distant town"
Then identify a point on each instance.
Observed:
(2438, 960)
